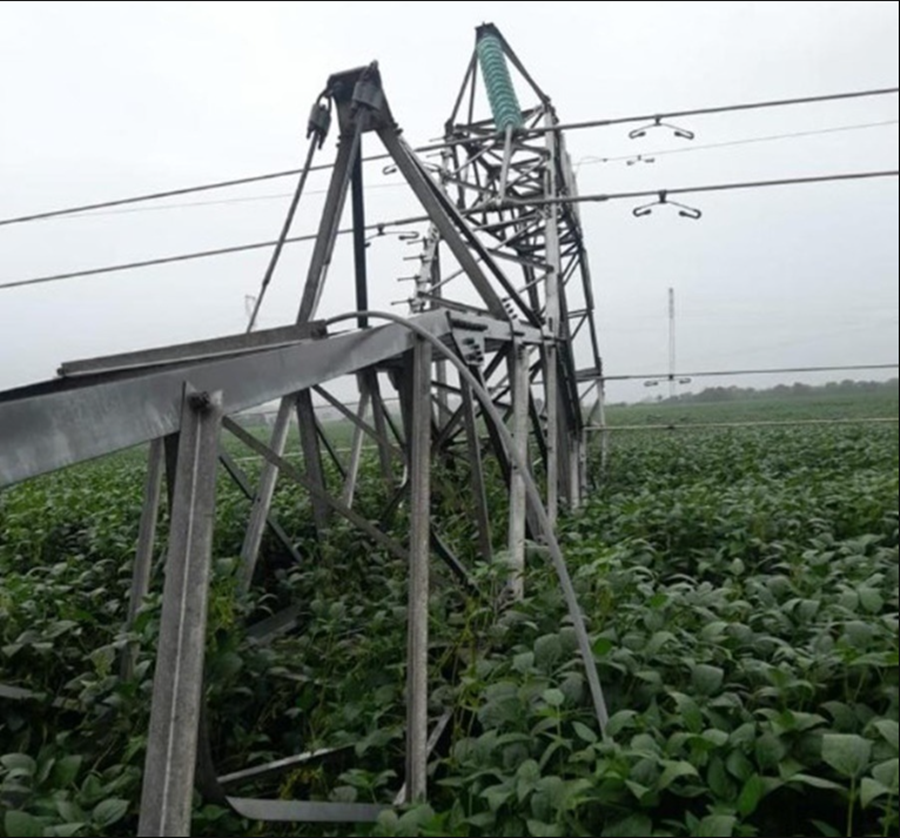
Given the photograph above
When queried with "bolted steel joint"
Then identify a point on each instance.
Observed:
(201, 402)
(319, 122)
(369, 94)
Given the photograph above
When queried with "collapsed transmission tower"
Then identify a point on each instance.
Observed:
(484, 367)
(505, 181)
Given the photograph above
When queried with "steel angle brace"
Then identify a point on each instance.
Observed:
(332, 451)
(143, 558)
(309, 811)
(240, 479)
(202, 350)
(451, 428)
(175, 710)
(450, 559)
(453, 227)
(433, 738)
(296, 474)
(259, 772)
(358, 422)
(43, 428)
(312, 457)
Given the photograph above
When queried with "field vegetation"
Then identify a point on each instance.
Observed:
(740, 587)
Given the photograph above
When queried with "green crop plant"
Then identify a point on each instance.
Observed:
(740, 588)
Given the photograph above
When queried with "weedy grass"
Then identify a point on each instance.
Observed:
(740, 588)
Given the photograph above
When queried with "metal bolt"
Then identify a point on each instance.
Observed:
(200, 402)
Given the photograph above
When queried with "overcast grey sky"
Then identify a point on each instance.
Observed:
(103, 100)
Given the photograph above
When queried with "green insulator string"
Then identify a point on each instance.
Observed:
(500, 90)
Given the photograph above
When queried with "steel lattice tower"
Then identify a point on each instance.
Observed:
(484, 367)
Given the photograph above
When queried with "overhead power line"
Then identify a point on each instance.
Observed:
(243, 199)
(713, 187)
(666, 376)
(223, 184)
(744, 106)
(648, 155)
(765, 423)
(421, 218)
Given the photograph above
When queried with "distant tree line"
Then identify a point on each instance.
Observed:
(795, 390)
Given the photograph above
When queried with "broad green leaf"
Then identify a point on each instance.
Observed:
(582, 731)
(602, 646)
(887, 773)
(655, 644)
(529, 771)
(713, 631)
(813, 781)
(843, 715)
(19, 762)
(858, 634)
(22, 825)
(770, 750)
(497, 795)
(344, 794)
(673, 770)
(70, 811)
(108, 812)
(543, 830)
(225, 665)
(795, 721)
(411, 822)
(634, 826)
(555, 789)
(658, 601)
(870, 790)
(65, 830)
(54, 630)
(806, 610)
(846, 753)
(744, 734)
(45, 766)
(66, 770)
(706, 679)
(636, 789)
(716, 826)
(644, 744)
(620, 721)
(715, 737)
(481, 819)
(890, 730)
(739, 766)
(527, 777)
(826, 829)
(720, 784)
(550, 750)
(575, 790)
(547, 651)
(387, 821)
(807, 721)
(750, 795)
(523, 662)
(870, 600)
(690, 712)
(554, 697)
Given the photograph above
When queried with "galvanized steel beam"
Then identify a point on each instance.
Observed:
(419, 538)
(62, 422)
(140, 575)
(168, 784)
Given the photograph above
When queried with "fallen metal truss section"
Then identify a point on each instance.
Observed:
(483, 368)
